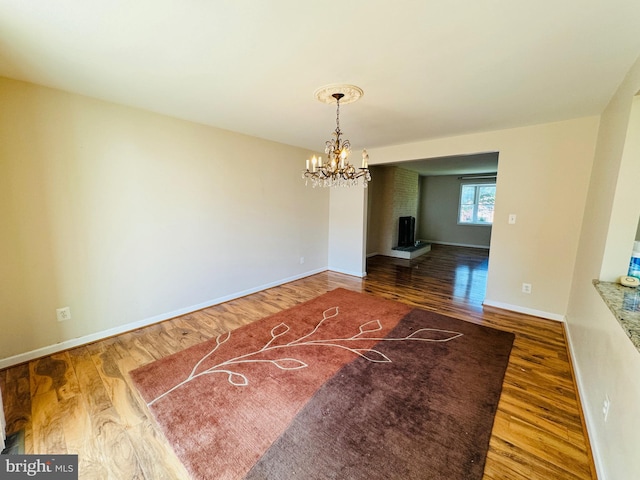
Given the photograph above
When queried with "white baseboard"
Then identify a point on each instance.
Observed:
(528, 311)
(486, 247)
(372, 254)
(94, 337)
(582, 396)
(348, 272)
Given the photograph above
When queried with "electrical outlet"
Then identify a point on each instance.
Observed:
(301, 260)
(526, 288)
(606, 404)
(63, 314)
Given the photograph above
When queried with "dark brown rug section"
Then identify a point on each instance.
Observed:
(427, 414)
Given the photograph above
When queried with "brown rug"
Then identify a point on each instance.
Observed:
(345, 386)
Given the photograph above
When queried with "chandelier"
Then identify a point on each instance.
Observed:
(336, 170)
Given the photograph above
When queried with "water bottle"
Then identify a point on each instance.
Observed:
(634, 264)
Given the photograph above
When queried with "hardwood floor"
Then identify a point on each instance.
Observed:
(82, 401)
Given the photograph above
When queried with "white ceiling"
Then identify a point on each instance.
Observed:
(428, 68)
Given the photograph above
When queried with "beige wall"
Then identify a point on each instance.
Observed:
(128, 216)
(375, 204)
(347, 230)
(607, 363)
(626, 202)
(543, 177)
(439, 202)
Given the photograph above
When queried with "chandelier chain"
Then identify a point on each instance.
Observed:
(338, 96)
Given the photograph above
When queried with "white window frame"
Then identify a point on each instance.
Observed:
(475, 203)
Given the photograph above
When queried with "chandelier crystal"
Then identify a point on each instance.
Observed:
(336, 170)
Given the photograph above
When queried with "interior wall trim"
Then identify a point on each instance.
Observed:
(437, 242)
(527, 311)
(589, 422)
(348, 272)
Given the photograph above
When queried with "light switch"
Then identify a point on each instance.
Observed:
(512, 218)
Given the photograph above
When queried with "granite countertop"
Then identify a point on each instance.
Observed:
(624, 302)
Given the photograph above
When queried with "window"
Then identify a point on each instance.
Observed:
(476, 204)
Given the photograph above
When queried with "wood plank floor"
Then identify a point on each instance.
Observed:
(82, 401)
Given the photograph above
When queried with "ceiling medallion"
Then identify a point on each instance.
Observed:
(350, 93)
(337, 171)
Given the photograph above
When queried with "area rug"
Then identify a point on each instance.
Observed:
(345, 386)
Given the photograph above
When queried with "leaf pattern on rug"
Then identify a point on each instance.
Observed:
(240, 380)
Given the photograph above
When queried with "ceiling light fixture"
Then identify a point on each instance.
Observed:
(337, 171)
